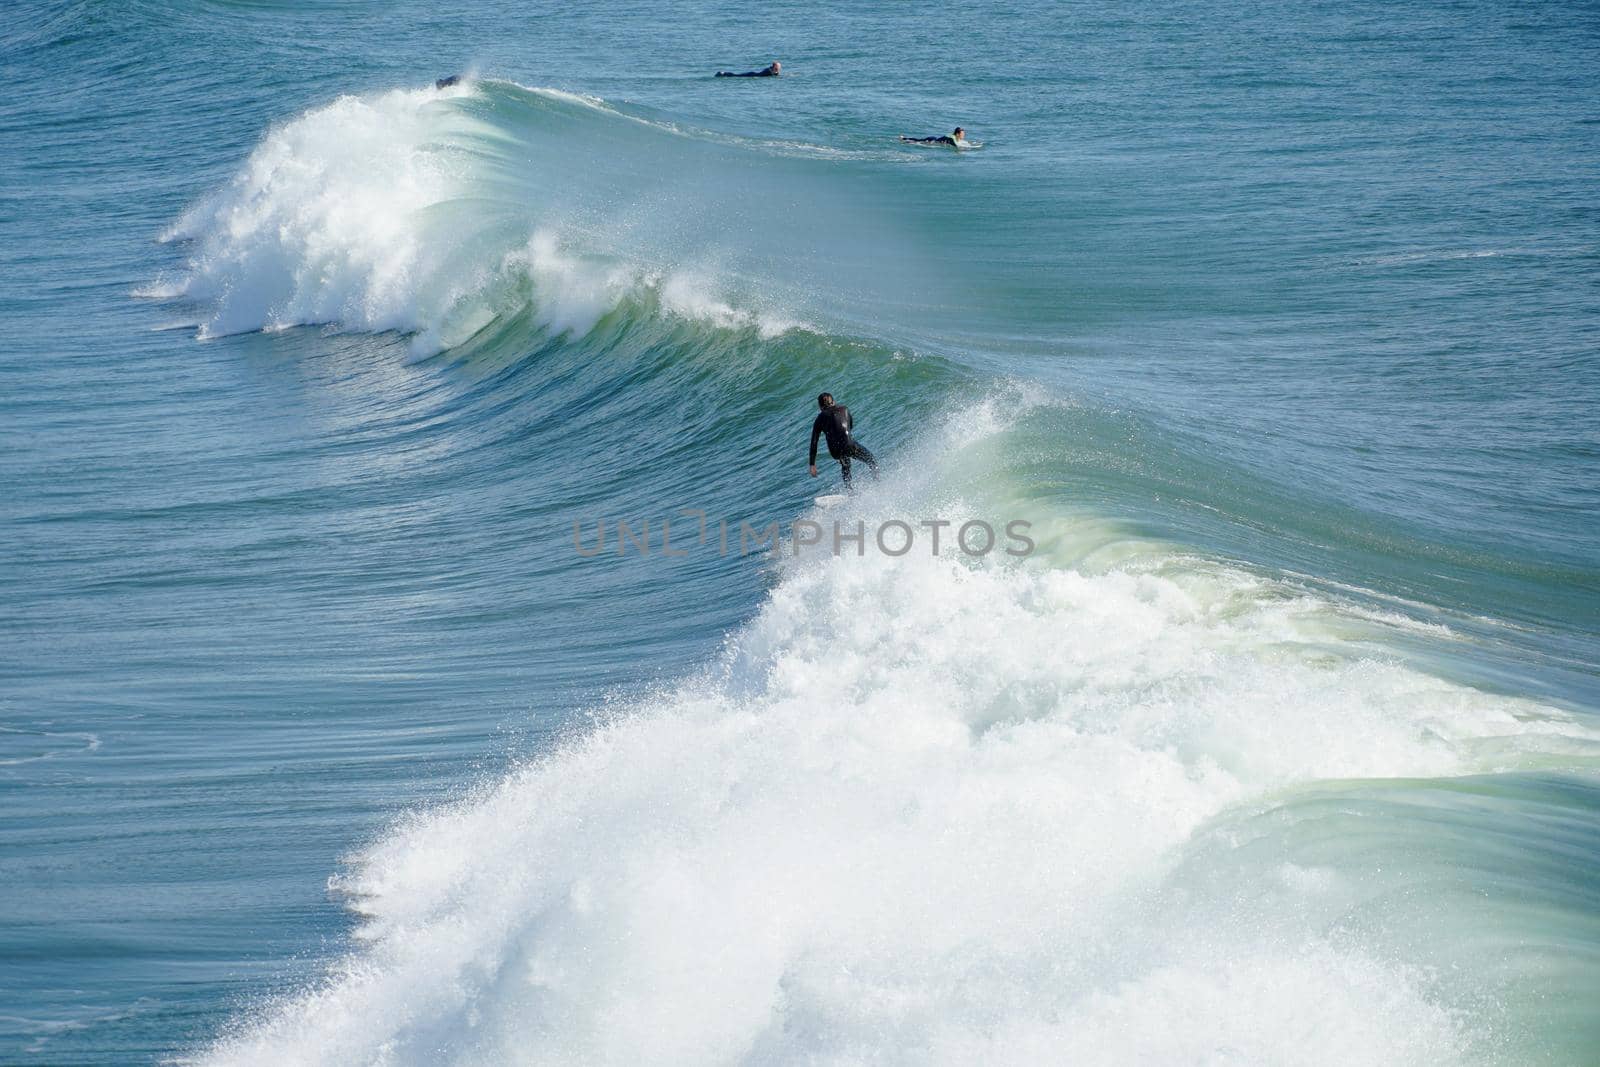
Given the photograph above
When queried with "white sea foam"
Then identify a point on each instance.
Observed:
(571, 293)
(321, 224)
(923, 811)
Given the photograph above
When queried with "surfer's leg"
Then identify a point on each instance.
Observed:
(844, 468)
(864, 456)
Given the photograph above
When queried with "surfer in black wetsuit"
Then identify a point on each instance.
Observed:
(835, 424)
(954, 140)
(766, 72)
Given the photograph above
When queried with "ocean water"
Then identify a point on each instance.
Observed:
(322, 742)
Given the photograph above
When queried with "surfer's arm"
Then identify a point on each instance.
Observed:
(816, 432)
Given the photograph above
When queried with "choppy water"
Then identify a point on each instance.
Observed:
(321, 743)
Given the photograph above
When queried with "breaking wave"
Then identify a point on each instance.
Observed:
(926, 809)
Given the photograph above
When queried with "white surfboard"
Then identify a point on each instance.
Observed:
(830, 500)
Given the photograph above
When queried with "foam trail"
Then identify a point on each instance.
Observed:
(921, 812)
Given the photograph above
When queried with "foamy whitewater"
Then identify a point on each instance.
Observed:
(924, 809)
(328, 743)
(966, 840)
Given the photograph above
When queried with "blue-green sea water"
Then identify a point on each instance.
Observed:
(321, 742)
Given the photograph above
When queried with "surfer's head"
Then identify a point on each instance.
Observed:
(960, 133)
(825, 400)
(776, 66)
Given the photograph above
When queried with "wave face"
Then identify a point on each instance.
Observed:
(1124, 802)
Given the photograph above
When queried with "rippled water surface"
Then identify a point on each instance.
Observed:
(321, 743)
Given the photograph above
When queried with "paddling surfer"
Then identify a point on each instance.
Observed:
(773, 71)
(958, 139)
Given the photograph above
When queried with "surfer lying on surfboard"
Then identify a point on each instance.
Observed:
(774, 71)
(958, 139)
(834, 423)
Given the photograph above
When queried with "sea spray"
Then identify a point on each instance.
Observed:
(924, 810)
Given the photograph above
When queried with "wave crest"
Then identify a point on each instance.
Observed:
(433, 213)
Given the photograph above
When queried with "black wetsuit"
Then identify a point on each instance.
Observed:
(941, 139)
(767, 73)
(835, 424)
